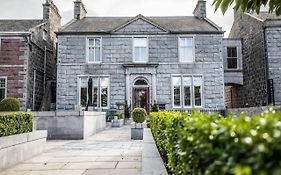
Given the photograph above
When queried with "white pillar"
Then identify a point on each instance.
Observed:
(153, 88)
(128, 89)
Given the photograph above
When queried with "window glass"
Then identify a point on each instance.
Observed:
(177, 91)
(232, 58)
(84, 91)
(187, 91)
(197, 83)
(186, 49)
(140, 49)
(95, 91)
(104, 83)
(94, 50)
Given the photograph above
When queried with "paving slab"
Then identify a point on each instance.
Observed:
(110, 152)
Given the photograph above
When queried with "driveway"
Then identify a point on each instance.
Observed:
(110, 152)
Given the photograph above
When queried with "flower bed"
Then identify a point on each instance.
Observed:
(211, 144)
(15, 123)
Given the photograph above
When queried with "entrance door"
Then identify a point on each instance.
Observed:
(141, 98)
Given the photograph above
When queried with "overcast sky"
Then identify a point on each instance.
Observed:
(26, 9)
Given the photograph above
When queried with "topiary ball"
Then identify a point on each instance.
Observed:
(139, 115)
(10, 104)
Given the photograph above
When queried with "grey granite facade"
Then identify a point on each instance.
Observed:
(117, 63)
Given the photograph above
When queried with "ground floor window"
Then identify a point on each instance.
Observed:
(3, 88)
(99, 89)
(187, 91)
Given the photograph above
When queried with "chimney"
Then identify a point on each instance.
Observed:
(200, 9)
(79, 10)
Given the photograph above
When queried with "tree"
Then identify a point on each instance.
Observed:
(246, 5)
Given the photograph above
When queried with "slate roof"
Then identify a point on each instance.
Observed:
(174, 24)
(18, 25)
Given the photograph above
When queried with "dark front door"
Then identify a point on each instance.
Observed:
(141, 98)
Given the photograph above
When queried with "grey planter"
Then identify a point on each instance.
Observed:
(136, 133)
(117, 123)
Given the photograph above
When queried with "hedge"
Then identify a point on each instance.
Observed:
(15, 123)
(209, 144)
(9, 104)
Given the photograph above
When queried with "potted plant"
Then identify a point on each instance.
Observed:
(118, 120)
(139, 116)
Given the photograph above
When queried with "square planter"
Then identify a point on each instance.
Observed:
(136, 133)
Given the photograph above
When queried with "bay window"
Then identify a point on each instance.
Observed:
(100, 91)
(187, 91)
(140, 50)
(186, 53)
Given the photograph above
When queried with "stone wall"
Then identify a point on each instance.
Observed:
(117, 51)
(250, 30)
(273, 40)
(13, 65)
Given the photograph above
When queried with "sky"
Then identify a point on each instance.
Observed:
(32, 9)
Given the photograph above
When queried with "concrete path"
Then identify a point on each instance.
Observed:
(110, 152)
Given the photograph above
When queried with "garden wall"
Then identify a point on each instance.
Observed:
(251, 111)
(71, 125)
(17, 148)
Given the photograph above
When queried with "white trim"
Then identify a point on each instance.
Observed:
(193, 48)
(6, 85)
(147, 49)
(87, 50)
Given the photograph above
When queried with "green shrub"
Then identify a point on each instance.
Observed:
(119, 115)
(15, 123)
(154, 107)
(209, 144)
(139, 115)
(10, 104)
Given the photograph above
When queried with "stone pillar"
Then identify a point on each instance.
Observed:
(153, 88)
(128, 89)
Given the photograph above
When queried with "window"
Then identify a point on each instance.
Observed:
(3, 88)
(186, 53)
(232, 58)
(94, 50)
(45, 35)
(140, 50)
(187, 91)
(100, 91)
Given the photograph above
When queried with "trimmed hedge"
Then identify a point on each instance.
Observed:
(9, 104)
(209, 144)
(139, 115)
(15, 123)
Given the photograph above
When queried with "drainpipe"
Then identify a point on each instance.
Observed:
(33, 93)
(45, 62)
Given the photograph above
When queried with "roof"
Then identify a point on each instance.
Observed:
(18, 25)
(263, 15)
(174, 24)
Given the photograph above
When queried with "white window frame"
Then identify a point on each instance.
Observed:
(232, 57)
(147, 49)
(193, 49)
(6, 85)
(99, 90)
(88, 53)
(45, 35)
(192, 89)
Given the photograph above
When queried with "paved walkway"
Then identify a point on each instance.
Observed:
(110, 152)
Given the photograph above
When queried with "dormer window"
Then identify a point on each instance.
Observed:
(140, 50)
(94, 50)
(186, 51)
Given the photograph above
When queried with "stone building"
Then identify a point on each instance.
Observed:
(28, 58)
(176, 61)
(260, 37)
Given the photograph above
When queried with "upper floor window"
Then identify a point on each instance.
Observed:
(94, 50)
(3, 88)
(140, 50)
(186, 53)
(100, 91)
(232, 58)
(45, 35)
(187, 91)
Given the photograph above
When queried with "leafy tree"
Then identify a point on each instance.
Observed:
(245, 5)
